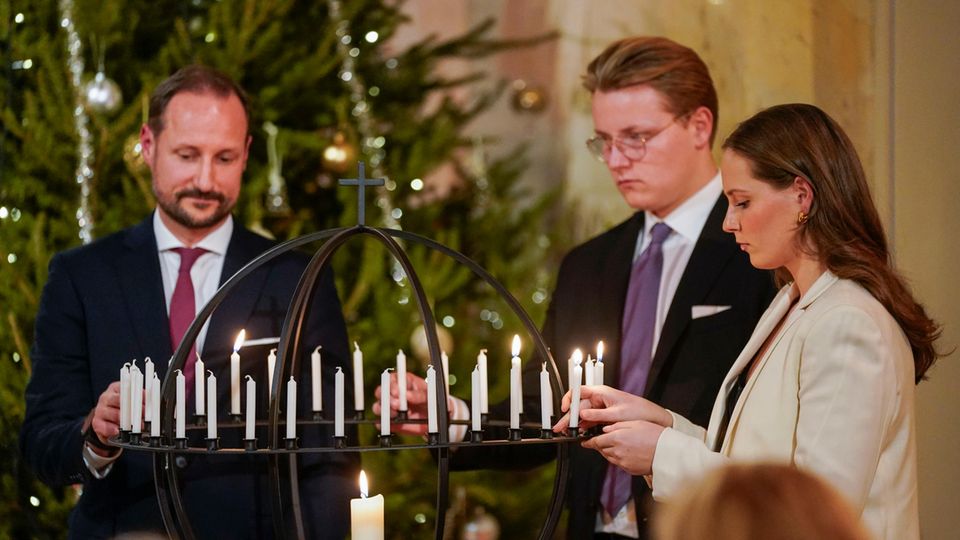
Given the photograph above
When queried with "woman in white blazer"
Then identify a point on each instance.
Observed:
(826, 382)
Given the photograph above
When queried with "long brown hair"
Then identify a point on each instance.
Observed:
(844, 230)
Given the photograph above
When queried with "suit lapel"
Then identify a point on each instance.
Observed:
(230, 316)
(710, 253)
(613, 295)
(142, 288)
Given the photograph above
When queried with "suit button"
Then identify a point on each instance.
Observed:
(181, 462)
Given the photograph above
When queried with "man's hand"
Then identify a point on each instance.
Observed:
(416, 404)
(104, 419)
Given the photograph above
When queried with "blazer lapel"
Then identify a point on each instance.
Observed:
(712, 250)
(141, 286)
(613, 295)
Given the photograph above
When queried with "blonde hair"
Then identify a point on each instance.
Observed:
(758, 501)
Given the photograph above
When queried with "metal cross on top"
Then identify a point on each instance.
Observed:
(361, 182)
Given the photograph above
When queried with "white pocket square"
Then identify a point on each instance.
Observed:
(697, 312)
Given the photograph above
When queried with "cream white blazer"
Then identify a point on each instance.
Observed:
(834, 394)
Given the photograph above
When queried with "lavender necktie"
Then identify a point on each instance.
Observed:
(639, 319)
(183, 309)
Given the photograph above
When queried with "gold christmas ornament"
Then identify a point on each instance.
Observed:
(418, 342)
(133, 156)
(528, 98)
(339, 156)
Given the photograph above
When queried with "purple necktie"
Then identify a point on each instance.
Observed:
(639, 320)
(183, 308)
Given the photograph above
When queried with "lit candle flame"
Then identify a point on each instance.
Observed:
(600, 351)
(363, 484)
(241, 337)
(516, 345)
(577, 357)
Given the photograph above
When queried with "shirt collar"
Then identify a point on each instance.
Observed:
(688, 218)
(215, 242)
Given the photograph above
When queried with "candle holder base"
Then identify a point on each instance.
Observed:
(515, 435)
(433, 438)
(250, 445)
(476, 436)
(136, 438)
(180, 443)
(200, 419)
(546, 434)
(340, 443)
(124, 435)
(401, 416)
(155, 441)
(317, 416)
(291, 443)
(236, 418)
(574, 432)
(358, 415)
(386, 441)
(213, 444)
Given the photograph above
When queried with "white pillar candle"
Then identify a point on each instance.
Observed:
(445, 362)
(402, 379)
(385, 403)
(211, 406)
(589, 371)
(431, 400)
(484, 398)
(291, 408)
(316, 379)
(357, 378)
(235, 374)
(338, 403)
(199, 386)
(575, 395)
(366, 514)
(516, 361)
(148, 389)
(271, 366)
(181, 406)
(475, 399)
(155, 406)
(251, 408)
(515, 394)
(136, 399)
(125, 397)
(598, 375)
(575, 360)
(546, 399)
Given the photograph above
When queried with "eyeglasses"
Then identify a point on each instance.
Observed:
(633, 145)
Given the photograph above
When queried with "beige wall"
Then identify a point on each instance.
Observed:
(926, 215)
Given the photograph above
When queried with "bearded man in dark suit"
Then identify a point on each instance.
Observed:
(115, 300)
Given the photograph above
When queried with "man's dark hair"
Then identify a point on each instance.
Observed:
(196, 79)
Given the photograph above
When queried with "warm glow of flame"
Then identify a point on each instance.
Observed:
(577, 357)
(241, 337)
(516, 345)
(600, 351)
(363, 485)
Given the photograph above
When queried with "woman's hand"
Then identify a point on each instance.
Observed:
(628, 445)
(606, 405)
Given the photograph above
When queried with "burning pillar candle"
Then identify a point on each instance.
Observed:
(402, 379)
(148, 389)
(136, 399)
(338, 403)
(235, 374)
(211, 406)
(516, 362)
(574, 360)
(291, 408)
(125, 397)
(482, 364)
(546, 399)
(271, 366)
(181, 405)
(598, 369)
(251, 408)
(431, 400)
(199, 386)
(575, 394)
(385, 403)
(366, 514)
(316, 379)
(475, 399)
(515, 394)
(155, 406)
(357, 378)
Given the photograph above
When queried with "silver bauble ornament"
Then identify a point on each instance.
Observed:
(102, 95)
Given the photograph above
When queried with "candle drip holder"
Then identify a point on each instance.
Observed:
(283, 469)
(124, 435)
(136, 438)
(386, 441)
(400, 417)
(515, 435)
(546, 434)
(574, 432)
(155, 441)
(236, 418)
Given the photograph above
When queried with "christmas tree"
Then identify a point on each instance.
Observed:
(327, 91)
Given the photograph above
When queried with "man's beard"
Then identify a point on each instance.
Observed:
(172, 207)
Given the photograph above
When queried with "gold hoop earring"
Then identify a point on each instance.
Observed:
(802, 218)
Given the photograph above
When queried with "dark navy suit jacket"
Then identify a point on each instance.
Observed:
(102, 306)
(691, 360)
